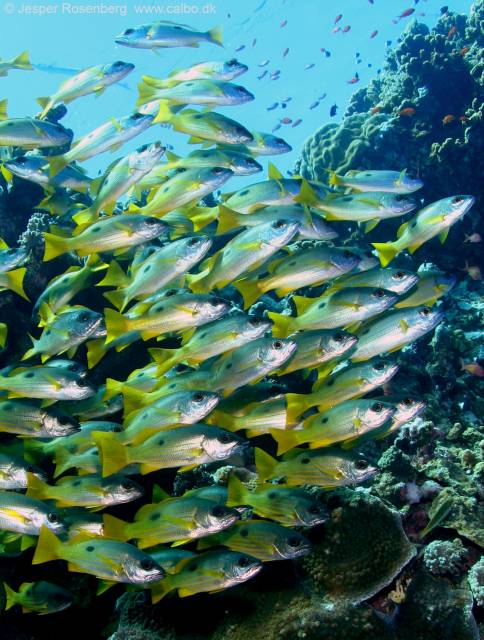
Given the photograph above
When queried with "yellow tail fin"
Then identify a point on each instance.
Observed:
(56, 164)
(283, 325)
(85, 216)
(96, 351)
(114, 455)
(4, 114)
(249, 290)
(228, 220)
(114, 528)
(161, 589)
(48, 547)
(215, 36)
(166, 359)
(15, 280)
(265, 464)
(113, 388)
(10, 595)
(146, 93)
(116, 324)
(165, 114)
(334, 179)
(37, 488)
(54, 246)
(297, 403)
(238, 494)
(386, 252)
(286, 440)
(115, 277)
(22, 61)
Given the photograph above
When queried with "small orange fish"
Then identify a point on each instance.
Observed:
(336, 29)
(474, 237)
(354, 79)
(338, 18)
(448, 119)
(406, 13)
(463, 119)
(408, 112)
(374, 33)
(472, 367)
(376, 109)
(285, 121)
(464, 50)
(452, 32)
(346, 29)
(473, 271)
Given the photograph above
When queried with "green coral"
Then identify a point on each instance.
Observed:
(476, 582)
(443, 557)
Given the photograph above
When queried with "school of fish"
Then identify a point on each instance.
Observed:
(202, 284)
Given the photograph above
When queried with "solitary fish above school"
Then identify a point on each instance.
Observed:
(434, 219)
(21, 62)
(164, 34)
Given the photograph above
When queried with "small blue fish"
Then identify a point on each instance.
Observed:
(273, 106)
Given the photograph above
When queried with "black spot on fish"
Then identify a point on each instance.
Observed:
(155, 516)
(244, 192)
(305, 460)
(244, 533)
(29, 374)
(90, 548)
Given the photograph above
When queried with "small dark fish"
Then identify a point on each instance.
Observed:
(327, 53)
(285, 52)
(296, 123)
(288, 99)
(333, 111)
(285, 120)
(241, 47)
(323, 96)
(444, 10)
(278, 126)
(273, 106)
(388, 43)
(314, 105)
(373, 34)
(283, 24)
(357, 54)
(283, 105)
(346, 28)
(254, 42)
(309, 66)
(262, 75)
(264, 63)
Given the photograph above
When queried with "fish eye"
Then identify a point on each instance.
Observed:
(137, 116)
(192, 242)
(377, 407)
(151, 221)
(457, 200)
(277, 344)
(279, 224)
(127, 485)
(217, 511)
(128, 32)
(240, 89)
(408, 402)
(147, 564)
(216, 301)
(21, 160)
(170, 292)
(338, 337)
(379, 293)
(294, 541)
(225, 438)
(425, 311)
(399, 197)
(314, 509)
(255, 322)
(280, 141)
(83, 317)
(399, 275)
(361, 465)
(218, 170)
(81, 383)
(347, 254)
(63, 420)
(243, 562)
(198, 397)
(232, 63)
(52, 517)
(379, 366)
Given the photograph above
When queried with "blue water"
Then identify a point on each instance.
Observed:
(62, 37)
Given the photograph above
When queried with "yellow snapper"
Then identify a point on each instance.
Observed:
(255, 417)
(159, 270)
(92, 80)
(119, 179)
(106, 559)
(106, 235)
(211, 340)
(163, 34)
(351, 382)
(431, 286)
(26, 418)
(185, 447)
(395, 330)
(36, 169)
(327, 468)
(209, 93)
(290, 507)
(314, 348)
(90, 491)
(343, 308)
(46, 382)
(177, 312)
(396, 280)
(345, 422)
(244, 253)
(172, 520)
(21, 62)
(24, 515)
(249, 363)
(434, 219)
(406, 410)
(267, 541)
(208, 572)
(168, 558)
(14, 470)
(311, 225)
(304, 268)
(180, 407)
(14, 281)
(29, 133)
(110, 136)
(377, 180)
(65, 332)
(210, 70)
(38, 597)
(202, 126)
